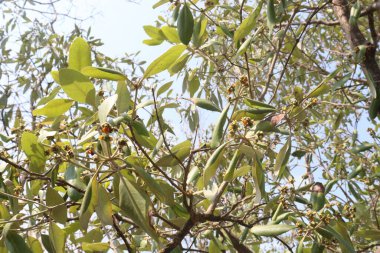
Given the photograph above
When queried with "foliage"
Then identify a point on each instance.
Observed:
(93, 163)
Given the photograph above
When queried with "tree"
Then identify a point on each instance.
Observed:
(287, 163)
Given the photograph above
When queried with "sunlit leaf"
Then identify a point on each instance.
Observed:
(77, 86)
(103, 73)
(79, 54)
(164, 61)
(54, 108)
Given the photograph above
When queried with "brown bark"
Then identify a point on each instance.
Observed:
(356, 38)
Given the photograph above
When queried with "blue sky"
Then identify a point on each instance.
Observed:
(119, 23)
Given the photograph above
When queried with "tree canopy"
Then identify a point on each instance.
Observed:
(256, 130)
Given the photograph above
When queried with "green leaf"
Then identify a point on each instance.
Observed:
(95, 246)
(164, 61)
(185, 24)
(205, 104)
(123, 97)
(171, 34)
(164, 88)
(217, 133)
(79, 54)
(34, 151)
(243, 48)
(181, 151)
(355, 13)
(77, 86)
(212, 164)
(57, 237)
(230, 173)
(16, 244)
(153, 32)
(282, 159)
(105, 108)
(363, 147)
(34, 245)
(104, 206)
(89, 201)
(259, 178)
(271, 230)
(54, 199)
(153, 185)
(248, 24)
(271, 14)
(103, 73)
(179, 64)
(152, 42)
(345, 243)
(51, 96)
(323, 87)
(135, 203)
(258, 106)
(54, 108)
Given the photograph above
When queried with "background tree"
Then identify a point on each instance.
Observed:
(287, 165)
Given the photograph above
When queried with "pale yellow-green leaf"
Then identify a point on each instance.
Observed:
(164, 61)
(54, 108)
(79, 54)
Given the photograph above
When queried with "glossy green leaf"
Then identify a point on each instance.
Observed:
(259, 178)
(16, 244)
(271, 230)
(218, 131)
(135, 203)
(79, 54)
(103, 73)
(54, 199)
(34, 151)
(103, 207)
(283, 158)
(229, 176)
(57, 237)
(181, 151)
(185, 24)
(271, 14)
(258, 105)
(164, 61)
(248, 24)
(54, 108)
(105, 108)
(77, 86)
(205, 104)
(212, 164)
